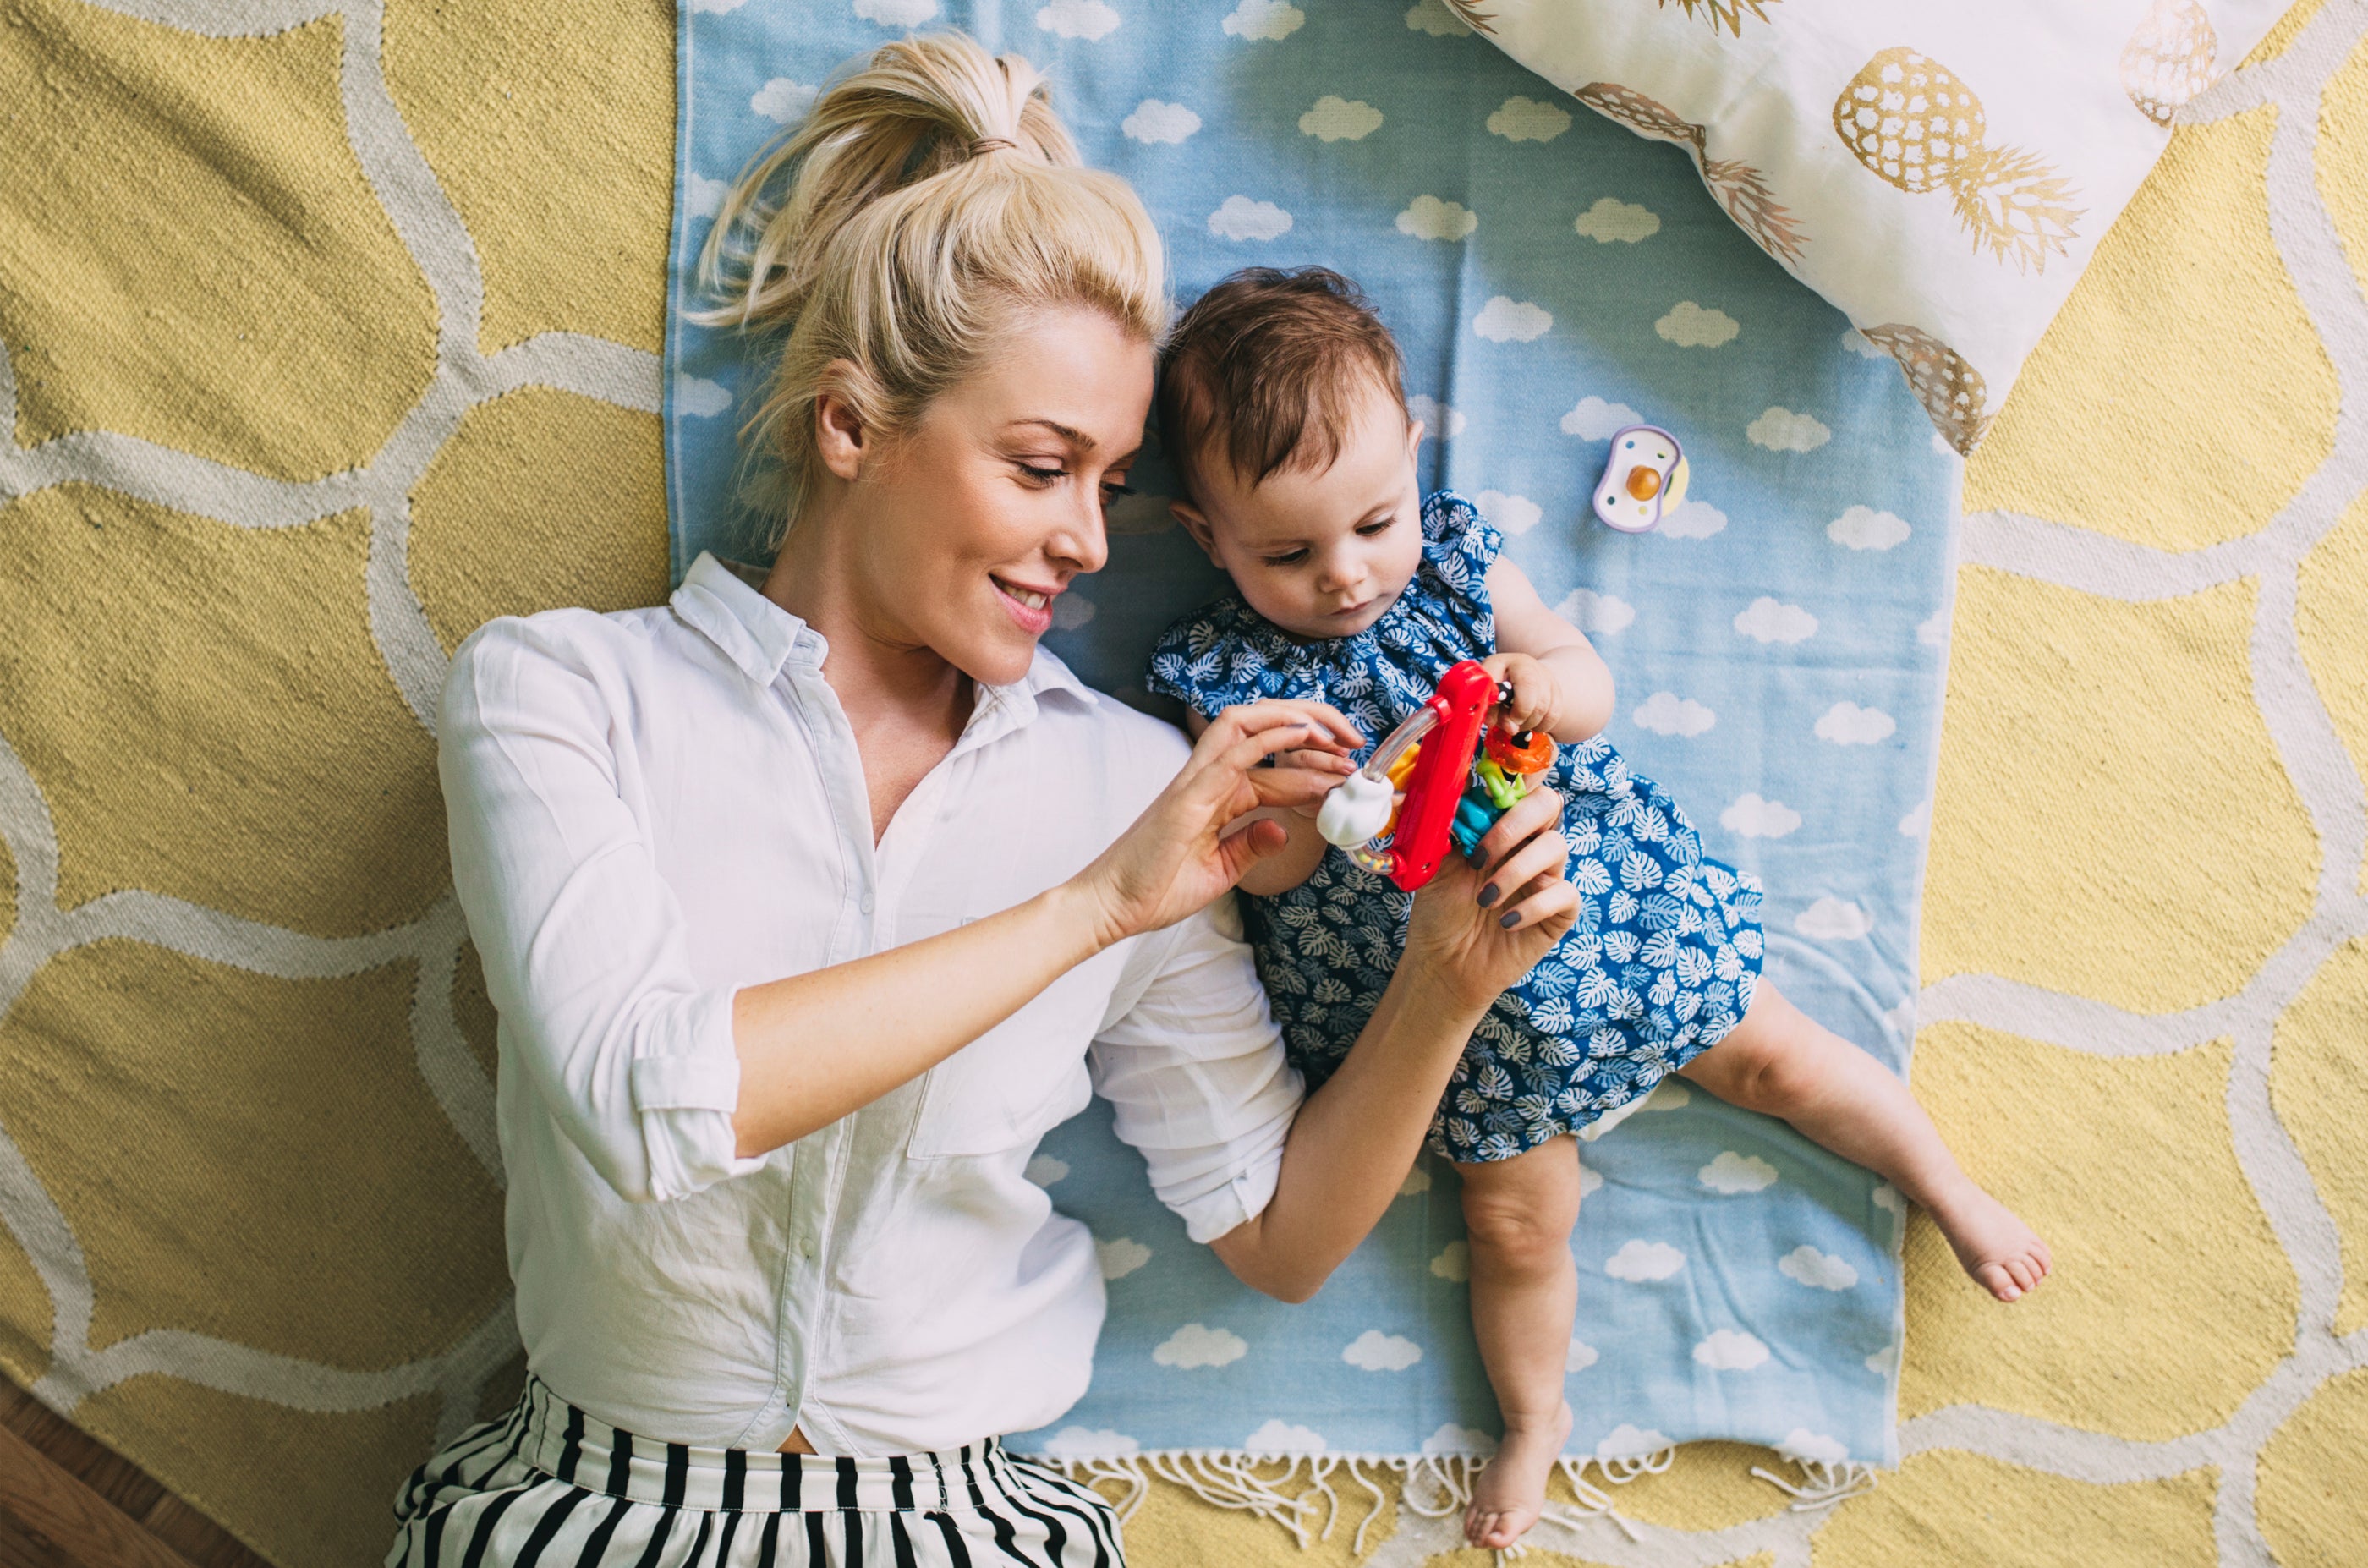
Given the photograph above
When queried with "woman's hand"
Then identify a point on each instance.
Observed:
(1177, 857)
(1474, 932)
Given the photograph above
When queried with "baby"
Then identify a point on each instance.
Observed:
(1281, 405)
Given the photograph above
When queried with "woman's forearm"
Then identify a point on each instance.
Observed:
(821, 1045)
(1353, 1143)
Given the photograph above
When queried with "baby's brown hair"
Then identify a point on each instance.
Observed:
(1260, 370)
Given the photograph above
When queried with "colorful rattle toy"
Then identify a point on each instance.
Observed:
(1434, 781)
(1643, 477)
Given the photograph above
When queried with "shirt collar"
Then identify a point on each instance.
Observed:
(759, 637)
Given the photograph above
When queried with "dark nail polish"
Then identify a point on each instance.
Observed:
(1510, 920)
(1488, 895)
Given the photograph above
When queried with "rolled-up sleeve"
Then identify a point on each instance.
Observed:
(1191, 1062)
(583, 942)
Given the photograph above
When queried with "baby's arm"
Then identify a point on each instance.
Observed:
(1297, 859)
(1560, 683)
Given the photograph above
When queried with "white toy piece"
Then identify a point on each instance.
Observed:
(1644, 476)
(1356, 809)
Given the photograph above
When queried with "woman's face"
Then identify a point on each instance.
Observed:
(965, 530)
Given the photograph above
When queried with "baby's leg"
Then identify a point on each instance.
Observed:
(1519, 1213)
(1780, 1062)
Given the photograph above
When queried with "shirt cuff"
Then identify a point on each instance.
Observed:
(1240, 1201)
(684, 1094)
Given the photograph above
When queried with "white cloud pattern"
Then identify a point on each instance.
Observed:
(782, 100)
(1767, 620)
(1280, 1437)
(1864, 527)
(1526, 120)
(1667, 713)
(1592, 419)
(893, 12)
(1513, 514)
(1087, 19)
(1454, 1439)
(1730, 1350)
(1433, 18)
(1612, 219)
(1429, 218)
(698, 397)
(1801, 1443)
(1933, 630)
(1780, 430)
(1753, 816)
(1155, 121)
(1638, 1261)
(1374, 1351)
(1438, 420)
(1198, 1345)
(1418, 1180)
(1732, 1174)
(1071, 610)
(1336, 118)
(1453, 1263)
(1598, 615)
(1044, 1170)
(1847, 724)
(705, 197)
(1269, 19)
(1862, 346)
(1090, 1443)
(1832, 919)
(1818, 1270)
(1692, 519)
(1507, 320)
(1918, 823)
(1580, 1357)
(1239, 218)
(1689, 327)
(1121, 1257)
(1628, 1442)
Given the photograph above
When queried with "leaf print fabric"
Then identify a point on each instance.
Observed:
(1659, 964)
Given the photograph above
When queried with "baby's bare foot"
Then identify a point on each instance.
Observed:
(1512, 1489)
(2005, 1257)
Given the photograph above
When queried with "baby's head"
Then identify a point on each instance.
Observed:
(1280, 406)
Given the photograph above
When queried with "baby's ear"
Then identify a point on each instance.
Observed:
(1195, 524)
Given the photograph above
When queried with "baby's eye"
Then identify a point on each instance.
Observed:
(1373, 529)
(1292, 558)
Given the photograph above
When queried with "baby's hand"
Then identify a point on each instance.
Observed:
(1536, 693)
(1314, 761)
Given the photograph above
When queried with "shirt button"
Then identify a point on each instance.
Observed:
(867, 903)
(805, 1247)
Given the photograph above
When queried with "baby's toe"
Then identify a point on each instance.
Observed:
(1993, 1277)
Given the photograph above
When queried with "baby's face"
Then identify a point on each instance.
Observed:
(1322, 554)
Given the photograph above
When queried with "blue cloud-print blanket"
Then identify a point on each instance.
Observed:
(1778, 644)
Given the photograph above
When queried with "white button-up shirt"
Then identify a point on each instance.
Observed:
(649, 809)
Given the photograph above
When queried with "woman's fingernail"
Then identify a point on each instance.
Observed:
(1488, 895)
(1510, 920)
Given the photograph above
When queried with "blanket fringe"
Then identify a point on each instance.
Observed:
(1432, 1485)
(1824, 1483)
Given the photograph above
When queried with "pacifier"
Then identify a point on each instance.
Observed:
(1644, 476)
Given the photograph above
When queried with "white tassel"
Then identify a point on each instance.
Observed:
(1126, 1472)
(1357, 1470)
(1621, 1472)
(1824, 1483)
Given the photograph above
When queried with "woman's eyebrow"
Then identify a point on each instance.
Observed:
(1070, 434)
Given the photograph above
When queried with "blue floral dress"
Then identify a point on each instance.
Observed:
(1667, 949)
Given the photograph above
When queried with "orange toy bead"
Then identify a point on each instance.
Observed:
(1644, 483)
(1535, 753)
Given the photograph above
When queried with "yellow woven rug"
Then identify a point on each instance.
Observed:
(332, 332)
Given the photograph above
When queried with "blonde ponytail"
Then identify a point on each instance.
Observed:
(926, 200)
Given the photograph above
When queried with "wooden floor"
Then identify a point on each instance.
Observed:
(66, 1501)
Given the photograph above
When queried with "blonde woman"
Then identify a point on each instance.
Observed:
(809, 910)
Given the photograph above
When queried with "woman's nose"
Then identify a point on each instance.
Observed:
(1083, 540)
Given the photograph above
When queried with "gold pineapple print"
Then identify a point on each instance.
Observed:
(2172, 56)
(1914, 125)
(1951, 390)
(1727, 14)
(1738, 187)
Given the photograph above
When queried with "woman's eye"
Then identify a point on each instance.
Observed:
(1115, 490)
(1041, 476)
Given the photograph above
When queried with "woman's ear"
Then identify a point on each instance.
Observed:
(840, 439)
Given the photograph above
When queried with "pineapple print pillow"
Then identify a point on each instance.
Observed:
(1940, 173)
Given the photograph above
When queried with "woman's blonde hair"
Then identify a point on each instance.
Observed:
(928, 201)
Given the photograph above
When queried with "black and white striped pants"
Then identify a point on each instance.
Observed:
(549, 1487)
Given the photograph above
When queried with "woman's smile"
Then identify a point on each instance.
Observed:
(1031, 607)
